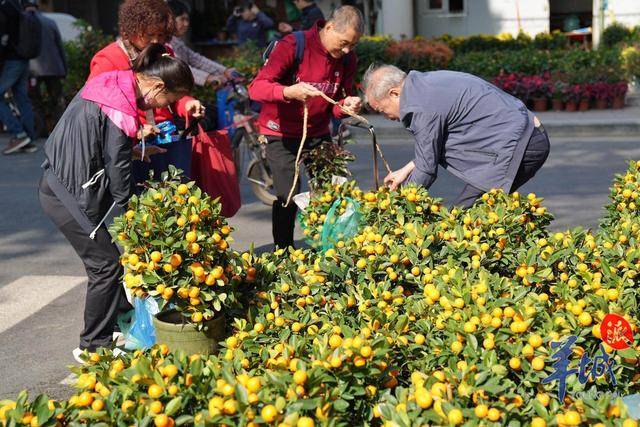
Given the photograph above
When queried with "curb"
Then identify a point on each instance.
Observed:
(630, 128)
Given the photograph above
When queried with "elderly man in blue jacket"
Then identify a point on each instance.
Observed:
(476, 131)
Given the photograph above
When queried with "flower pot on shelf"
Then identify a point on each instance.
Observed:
(601, 104)
(557, 105)
(173, 330)
(571, 106)
(583, 105)
(618, 102)
(540, 104)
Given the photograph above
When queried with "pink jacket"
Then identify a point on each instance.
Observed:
(115, 92)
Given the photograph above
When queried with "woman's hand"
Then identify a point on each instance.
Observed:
(149, 150)
(395, 178)
(230, 73)
(147, 131)
(352, 103)
(195, 109)
(215, 80)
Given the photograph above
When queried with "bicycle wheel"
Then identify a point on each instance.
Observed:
(239, 146)
(259, 177)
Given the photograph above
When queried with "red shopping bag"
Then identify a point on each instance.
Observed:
(212, 168)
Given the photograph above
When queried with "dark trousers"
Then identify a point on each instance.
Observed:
(281, 155)
(534, 157)
(105, 295)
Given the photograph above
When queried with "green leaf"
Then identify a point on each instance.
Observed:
(173, 405)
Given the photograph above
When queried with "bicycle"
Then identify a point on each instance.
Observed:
(249, 154)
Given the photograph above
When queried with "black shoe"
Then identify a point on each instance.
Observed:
(29, 148)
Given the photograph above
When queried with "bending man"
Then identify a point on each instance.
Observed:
(479, 133)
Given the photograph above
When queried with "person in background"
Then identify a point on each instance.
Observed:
(50, 67)
(14, 77)
(328, 67)
(479, 133)
(87, 174)
(249, 23)
(142, 22)
(310, 13)
(205, 71)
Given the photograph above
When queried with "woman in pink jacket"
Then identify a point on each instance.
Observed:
(87, 174)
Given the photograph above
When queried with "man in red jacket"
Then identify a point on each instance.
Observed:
(284, 86)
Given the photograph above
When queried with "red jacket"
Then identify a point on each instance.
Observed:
(113, 57)
(334, 77)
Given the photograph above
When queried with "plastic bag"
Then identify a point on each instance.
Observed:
(341, 226)
(137, 324)
(633, 405)
(213, 169)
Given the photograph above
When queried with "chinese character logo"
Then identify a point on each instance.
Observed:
(589, 368)
(616, 331)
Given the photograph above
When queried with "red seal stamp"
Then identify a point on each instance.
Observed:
(616, 331)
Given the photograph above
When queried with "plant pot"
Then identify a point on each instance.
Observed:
(584, 105)
(571, 106)
(601, 104)
(557, 105)
(618, 102)
(540, 104)
(173, 330)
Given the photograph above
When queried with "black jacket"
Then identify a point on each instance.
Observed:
(88, 163)
(9, 21)
(310, 15)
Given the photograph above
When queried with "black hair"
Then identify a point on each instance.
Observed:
(155, 61)
(178, 8)
(247, 4)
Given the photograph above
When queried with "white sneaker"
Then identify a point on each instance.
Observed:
(118, 339)
(78, 352)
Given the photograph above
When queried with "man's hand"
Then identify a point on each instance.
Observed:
(195, 109)
(300, 92)
(394, 179)
(147, 131)
(284, 27)
(353, 104)
(149, 150)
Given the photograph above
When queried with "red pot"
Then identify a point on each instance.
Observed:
(618, 102)
(571, 106)
(540, 104)
(584, 105)
(557, 105)
(601, 104)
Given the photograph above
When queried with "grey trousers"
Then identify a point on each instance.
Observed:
(534, 157)
(105, 297)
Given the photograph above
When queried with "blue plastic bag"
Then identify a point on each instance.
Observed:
(137, 324)
(343, 226)
(225, 104)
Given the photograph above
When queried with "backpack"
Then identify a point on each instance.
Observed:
(29, 41)
(299, 53)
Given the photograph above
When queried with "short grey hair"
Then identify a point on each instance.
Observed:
(379, 79)
(346, 17)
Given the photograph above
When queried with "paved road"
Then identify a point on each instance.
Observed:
(41, 278)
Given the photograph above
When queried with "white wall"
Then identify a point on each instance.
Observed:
(484, 17)
(626, 12)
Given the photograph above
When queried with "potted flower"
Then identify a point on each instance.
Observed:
(618, 93)
(176, 249)
(585, 97)
(558, 95)
(601, 92)
(537, 90)
(573, 95)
